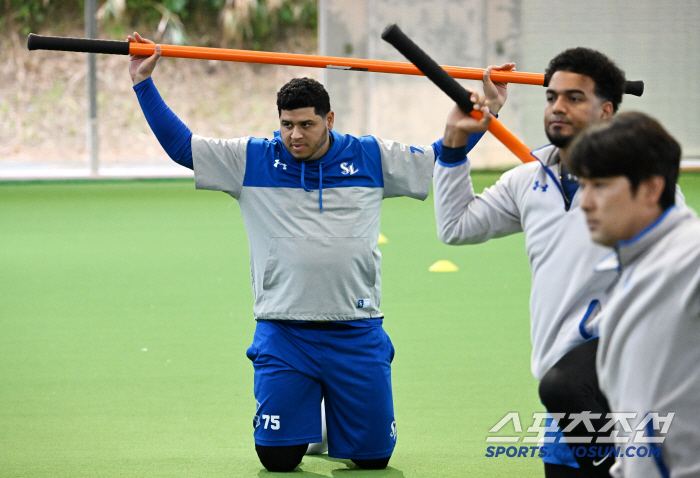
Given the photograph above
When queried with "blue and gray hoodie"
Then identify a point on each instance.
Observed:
(313, 226)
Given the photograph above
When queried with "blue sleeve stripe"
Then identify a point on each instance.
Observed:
(472, 140)
(453, 155)
(582, 325)
(437, 148)
(452, 165)
(172, 134)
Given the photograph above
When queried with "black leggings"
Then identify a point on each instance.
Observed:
(571, 386)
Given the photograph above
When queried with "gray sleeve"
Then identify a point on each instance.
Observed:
(465, 218)
(219, 164)
(406, 170)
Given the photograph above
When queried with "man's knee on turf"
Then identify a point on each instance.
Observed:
(281, 458)
(375, 464)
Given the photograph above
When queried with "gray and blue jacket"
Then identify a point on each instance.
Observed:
(648, 353)
(534, 198)
(312, 226)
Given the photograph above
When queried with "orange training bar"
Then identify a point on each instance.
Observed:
(88, 45)
(331, 62)
(508, 139)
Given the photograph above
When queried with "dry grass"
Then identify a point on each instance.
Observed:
(43, 102)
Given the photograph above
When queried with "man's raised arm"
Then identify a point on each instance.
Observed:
(172, 134)
(462, 217)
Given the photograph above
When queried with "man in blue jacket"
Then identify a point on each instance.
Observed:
(311, 201)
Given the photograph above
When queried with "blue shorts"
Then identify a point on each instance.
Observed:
(298, 364)
(563, 454)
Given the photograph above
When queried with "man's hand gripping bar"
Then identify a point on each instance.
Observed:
(454, 90)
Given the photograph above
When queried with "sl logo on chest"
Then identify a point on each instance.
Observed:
(348, 169)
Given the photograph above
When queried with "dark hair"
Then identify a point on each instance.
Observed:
(630, 144)
(609, 79)
(304, 93)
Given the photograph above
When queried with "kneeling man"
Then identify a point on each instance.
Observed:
(648, 359)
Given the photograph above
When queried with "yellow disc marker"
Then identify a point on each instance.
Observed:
(443, 266)
(382, 239)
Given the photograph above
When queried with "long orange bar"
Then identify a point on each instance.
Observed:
(316, 61)
(496, 128)
(111, 47)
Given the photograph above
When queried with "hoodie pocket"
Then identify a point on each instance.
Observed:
(318, 275)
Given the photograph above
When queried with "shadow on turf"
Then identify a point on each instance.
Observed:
(350, 470)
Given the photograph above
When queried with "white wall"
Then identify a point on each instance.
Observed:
(658, 42)
(407, 108)
(654, 41)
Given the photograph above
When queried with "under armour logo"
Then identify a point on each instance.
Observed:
(280, 163)
(537, 185)
(348, 169)
(393, 430)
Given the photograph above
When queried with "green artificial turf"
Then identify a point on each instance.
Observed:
(126, 310)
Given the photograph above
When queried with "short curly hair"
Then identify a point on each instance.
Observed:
(303, 93)
(609, 79)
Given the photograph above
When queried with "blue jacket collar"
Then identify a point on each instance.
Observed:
(336, 146)
(626, 252)
(630, 249)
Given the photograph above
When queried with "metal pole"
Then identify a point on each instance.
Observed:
(92, 134)
(323, 36)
